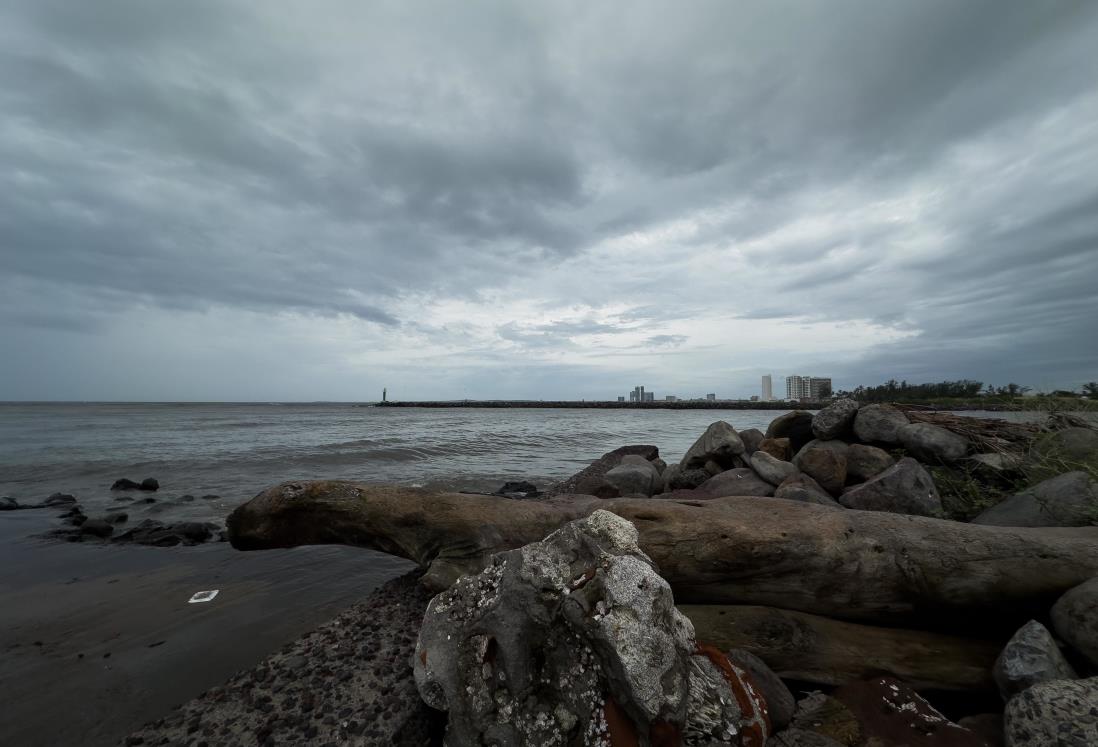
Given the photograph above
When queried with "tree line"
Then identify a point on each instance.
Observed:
(901, 391)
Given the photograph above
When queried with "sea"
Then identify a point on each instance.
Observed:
(233, 451)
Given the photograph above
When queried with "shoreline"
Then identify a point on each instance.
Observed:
(688, 405)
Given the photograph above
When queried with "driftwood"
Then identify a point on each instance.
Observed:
(847, 564)
(800, 646)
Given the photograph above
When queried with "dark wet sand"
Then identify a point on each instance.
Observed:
(99, 640)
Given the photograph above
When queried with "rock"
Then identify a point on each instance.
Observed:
(864, 462)
(8, 504)
(74, 516)
(739, 481)
(187, 497)
(836, 420)
(563, 635)
(827, 717)
(59, 499)
(1050, 452)
(211, 497)
(774, 471)
(932, 443)
(824, 462)
(996, 463)
(879, 424)
(1054, 714)
(116, 517)
(752, 438)
(779, 448)
(125, 484)
(713, 468)
(797, 737)
(796, 426)
(677, 478)
(660, 465)
(1075, 620)
(150, 484)
(97, 528)
(780, 702)
(158, 534)
(801, 487)
(1067, 500)
(904, 488)
(889, 713)
(518, 489)
(987, 726)
(1030, 657)
(720, 444)
(587, 480)
(634, 476)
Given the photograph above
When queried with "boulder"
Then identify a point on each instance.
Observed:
(779, 448)
(774, 471)
(150, 484)
(932, 443)
(125, 483)
(752, 438)
(677, 478)
(836, 420)
(1030, 657)
(1075, 620)
(116, 517)
(589, 478)
(904, 488)
(1053, 714)
(713, 468)
(801, 487)
(779, 700)
(634, 476)
(739, 481)
(824, 462)
(1067, 500)
(879, 424)
(659, 464)
(796, 426)
(59, 499)
(97, 528)
(864, 462)
(890, 713)
(158, 534)
(1049, 453)
(720, 444)
(511, 489)
(575, 638)
(797, 737)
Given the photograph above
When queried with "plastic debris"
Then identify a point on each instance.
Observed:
(203, 596)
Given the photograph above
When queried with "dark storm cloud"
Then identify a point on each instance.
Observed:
(346, 160)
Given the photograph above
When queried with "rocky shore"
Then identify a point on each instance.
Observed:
(857, 576)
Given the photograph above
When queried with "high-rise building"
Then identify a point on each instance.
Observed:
(767, 389)
(621, 399)
(807, 387)
(711, 397)
(649, 396)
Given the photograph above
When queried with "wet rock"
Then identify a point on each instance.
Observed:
(779, 700)
(836, 420)
(116, 517)
(574, 639)
(796, 426)
(9, 504)
(774, 471)
(518, 489)
(635, 475)
(1067, 500)
(720, 444)
(74, 516)
(752, 438)
(587, 480)
(779, 448)
(59, 499)
(186, 498)
(889, 713)
(150, 484)
(879, 424)
(158, 534)
(904, 488)
(824, 462)
(1029, 657)
(739, 481)
(125, 483)
(97, 528)
(864, 462)
(801, 487)
(932, 444)
(1075, 619)
(211, 497)
(1063, 713)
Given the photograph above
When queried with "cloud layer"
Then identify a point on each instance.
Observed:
(231, 200)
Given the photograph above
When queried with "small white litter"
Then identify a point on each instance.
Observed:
(203, 596)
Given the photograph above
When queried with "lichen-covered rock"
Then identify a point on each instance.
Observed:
(1067, 500)
(836, 420)
(905, 488)
(801, 487)
(1063, 713)
(1029, 657)
(739, 481)
(779, 700)
(932, 443)
(774, 471)
(824, 462)
(576, 640)
(796, 426)
(720, 444)
(879, 424)
(864, 462)
(1075, 619)
(779, 448)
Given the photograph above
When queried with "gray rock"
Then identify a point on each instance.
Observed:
(587, 480)
(677, 478)
(904, 488)
(796, 426)
(864, 462)
(797, 737)
(59, 499)
(836, 420)
(1063, 713)
(125, 483)
(659, 464)
(739, 481)
(720, 443)
(774, 471)
(713, 468)
(932, 443)
(1067, 500)
(558, 636)
(150, 483)
(824, 462)
(801, 487)
(996, 463)
(116, 517)
(1075, 619)
(635, 475)
(97, 528)
(779, 448)
(879, 424)
(987, 726)
(158, 534)
(779, 699)
(8, 504)
(1077, 444)
(751, 438)
(1029, 657)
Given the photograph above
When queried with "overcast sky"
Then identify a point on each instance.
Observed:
(314, 200)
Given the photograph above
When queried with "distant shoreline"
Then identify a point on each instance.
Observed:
(664, 405)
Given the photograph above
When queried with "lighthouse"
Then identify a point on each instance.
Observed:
(384, 395)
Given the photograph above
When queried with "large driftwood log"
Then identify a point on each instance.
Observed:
(817, 649)
(856, 565)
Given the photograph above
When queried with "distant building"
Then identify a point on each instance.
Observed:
(767, 389)
(711, 397)
(649, 396)
(754, 398)
(621, 399)
(637, 395)
(670, 398)
(807, 387)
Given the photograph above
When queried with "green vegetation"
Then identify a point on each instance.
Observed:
(966, 394)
